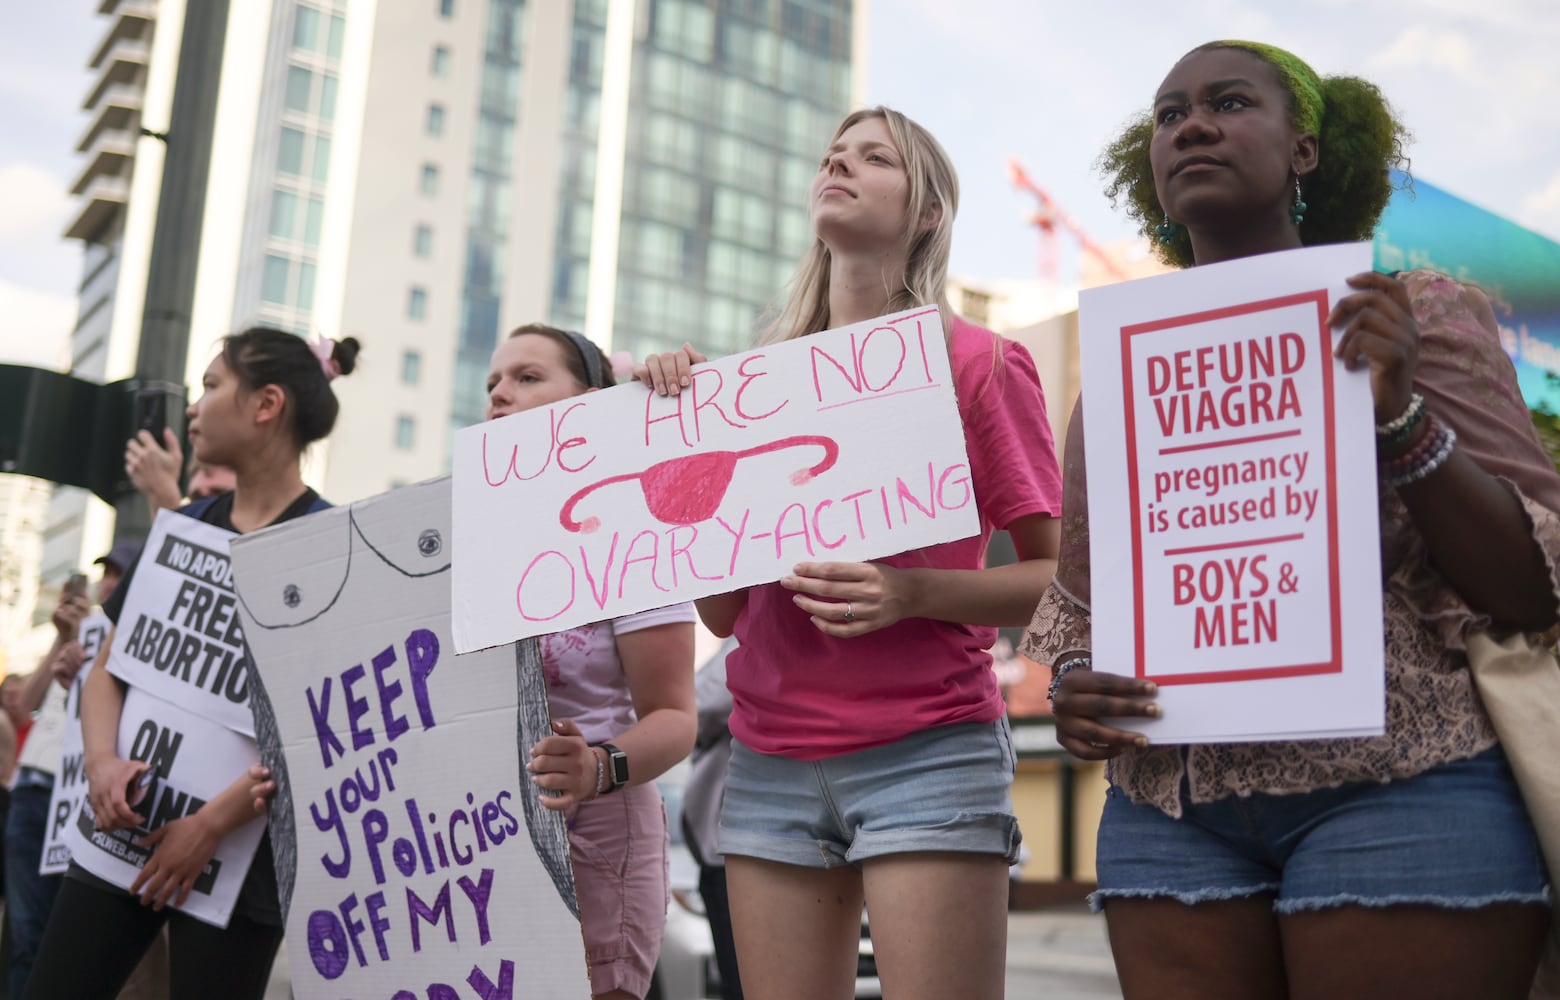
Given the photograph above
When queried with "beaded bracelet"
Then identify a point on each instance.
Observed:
(1393, 441)
(601, 771)
(1446, 440)
(1410, 415)
(1062, 670)
(1423, 448)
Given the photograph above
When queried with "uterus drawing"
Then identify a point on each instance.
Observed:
(689, 488)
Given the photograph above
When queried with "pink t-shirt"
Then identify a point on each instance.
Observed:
(806, 695)
(585, 679)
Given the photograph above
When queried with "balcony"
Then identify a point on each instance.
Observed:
(133, 21)
(102, 198)
(109, 155)
(115, 6)
(119, 110)
(124, 64)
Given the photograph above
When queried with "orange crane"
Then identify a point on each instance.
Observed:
(1047, 217)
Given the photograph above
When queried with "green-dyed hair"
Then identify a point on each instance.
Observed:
(1359, 139)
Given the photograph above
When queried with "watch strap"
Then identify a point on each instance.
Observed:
(617, 766)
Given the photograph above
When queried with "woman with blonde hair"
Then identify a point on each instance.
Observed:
(871, 759)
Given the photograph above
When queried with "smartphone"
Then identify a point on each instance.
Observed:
(76, 586)
(151, 413)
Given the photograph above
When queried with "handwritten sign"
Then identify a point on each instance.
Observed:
(425, 864)
(845, 445)
(192, 760)
(1233, 499)
(179, 636)
(70, 779)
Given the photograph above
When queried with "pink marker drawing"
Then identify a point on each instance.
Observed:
(689, 488)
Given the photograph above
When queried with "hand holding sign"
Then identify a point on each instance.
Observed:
(183, 848)
(1379, 331)
(262, 787)
(111, 783)
(1084, 697)
(669, 373)
(857, 598)
(564, 765)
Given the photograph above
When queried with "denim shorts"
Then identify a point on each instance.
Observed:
(941, 789)
(1456, 836)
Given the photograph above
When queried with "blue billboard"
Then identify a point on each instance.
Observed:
(1425, 226)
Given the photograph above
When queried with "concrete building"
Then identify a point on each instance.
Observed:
(425, 174)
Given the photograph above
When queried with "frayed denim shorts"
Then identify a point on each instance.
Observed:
(1456, 836)
(941, 789)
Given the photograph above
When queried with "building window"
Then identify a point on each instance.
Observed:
(284, 209)
(411, 367)
(430, 180)
(273, 280)
(300, 82)
(405, 432)
(446, 8)
(314, 221)
(441, 61)
(289, 155)
(435, 123)
(417, 304)
(306, 30)
(422, 241)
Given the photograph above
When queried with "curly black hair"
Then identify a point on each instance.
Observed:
(1359, 141)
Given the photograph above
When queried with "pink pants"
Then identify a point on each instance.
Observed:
(618, 846)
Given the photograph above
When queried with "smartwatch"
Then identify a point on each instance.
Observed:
(617, 767)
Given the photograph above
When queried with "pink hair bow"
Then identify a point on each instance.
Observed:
(323, 348)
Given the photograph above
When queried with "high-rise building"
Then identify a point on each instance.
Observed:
(425, 174)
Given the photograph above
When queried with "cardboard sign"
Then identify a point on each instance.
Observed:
(1232, 502)
(842, 446)
(70, 779)
(425, 863)
(179, 636)
(192, 760)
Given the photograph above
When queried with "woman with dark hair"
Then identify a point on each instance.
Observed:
(621, 698)
(267, 396)
(1403, 864)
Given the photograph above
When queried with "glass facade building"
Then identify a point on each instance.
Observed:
(729, 105)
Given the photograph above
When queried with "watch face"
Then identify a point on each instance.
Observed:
(619, 761)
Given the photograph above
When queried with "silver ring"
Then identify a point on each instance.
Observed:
(850, 613)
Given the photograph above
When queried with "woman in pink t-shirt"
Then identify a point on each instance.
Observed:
(621, 695)
(871, 758)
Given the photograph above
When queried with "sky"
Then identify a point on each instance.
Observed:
(1042, 81)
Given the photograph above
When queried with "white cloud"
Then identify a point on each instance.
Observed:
(1422, 47)
(35, 326)
(34, 202)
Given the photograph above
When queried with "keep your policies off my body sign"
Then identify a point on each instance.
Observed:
(1232, 466)
(842, 446)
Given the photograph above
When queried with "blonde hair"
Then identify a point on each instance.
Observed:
(932, 184)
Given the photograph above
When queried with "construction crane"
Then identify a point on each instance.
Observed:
(1047, 217)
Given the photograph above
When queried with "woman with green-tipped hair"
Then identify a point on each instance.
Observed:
(1400, 865)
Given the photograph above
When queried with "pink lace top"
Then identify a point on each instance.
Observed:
(1433, 713)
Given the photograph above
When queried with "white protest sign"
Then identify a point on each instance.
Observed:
(70, 780)
(1232, 499)
(843, 446)
(425, 865)
(179, 636)
(192, 761)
